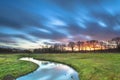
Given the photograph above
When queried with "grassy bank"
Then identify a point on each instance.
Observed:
(89, 66)
(11, 65)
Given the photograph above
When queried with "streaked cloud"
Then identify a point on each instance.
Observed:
(26, 23)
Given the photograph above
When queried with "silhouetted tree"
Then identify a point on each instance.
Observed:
(101, 45)
(62, 46)
(88, 44)
(109, 44)
(79, 45)
(82, 45)
(85, 46)
(56, 47)
(72, 45)
(93, 42)
(117, 40)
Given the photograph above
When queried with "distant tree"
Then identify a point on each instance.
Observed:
(82, 45)
(72, 45)
(101, 45)
(79, 45)
(56, 47)
(109, 44)
(93, 42)
(62, 46)
(106, 44)
(88, 44)
(117, 40)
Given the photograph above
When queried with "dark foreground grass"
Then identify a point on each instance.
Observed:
(89, 66)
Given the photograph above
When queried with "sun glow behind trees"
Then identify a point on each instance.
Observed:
(87, 47)
(91, 46)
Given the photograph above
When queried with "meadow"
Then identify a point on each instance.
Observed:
(90, 66)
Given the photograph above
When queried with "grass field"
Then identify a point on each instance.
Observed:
(89, 66)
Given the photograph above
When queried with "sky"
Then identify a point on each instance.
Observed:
(30, 23)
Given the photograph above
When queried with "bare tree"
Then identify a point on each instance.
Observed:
(56, 47)
(79, 45)
(117, 40)
(85, 44)
(62, 46)
(82, 44)
(72, 45)
(89, 45)
(101, 45)
(93, 42)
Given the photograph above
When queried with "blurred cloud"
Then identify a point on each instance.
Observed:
(34, 21)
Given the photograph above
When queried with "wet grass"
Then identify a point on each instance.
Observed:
(89, 66)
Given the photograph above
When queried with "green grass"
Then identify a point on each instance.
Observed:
(89, 66)
(11, 65)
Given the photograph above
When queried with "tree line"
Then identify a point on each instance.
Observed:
(84, 46)
(112, 45)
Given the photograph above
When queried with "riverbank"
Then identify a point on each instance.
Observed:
(11, 65)
(89, 66)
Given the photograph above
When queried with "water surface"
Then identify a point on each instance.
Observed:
(50, 71)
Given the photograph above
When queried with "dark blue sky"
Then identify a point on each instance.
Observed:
(28, 23)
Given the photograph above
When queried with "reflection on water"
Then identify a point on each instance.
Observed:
(50, 71)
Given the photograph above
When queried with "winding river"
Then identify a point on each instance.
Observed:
(50, 71)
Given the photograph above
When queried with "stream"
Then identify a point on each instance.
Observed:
(50, 71)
